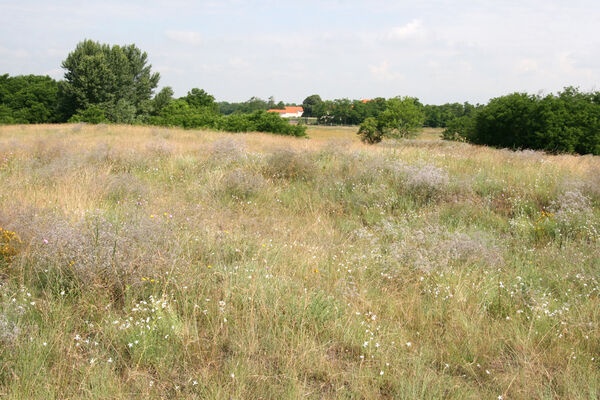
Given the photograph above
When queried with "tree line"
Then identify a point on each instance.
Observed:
(566, 122)
(355, 112)
(115, 84)
(104, 83)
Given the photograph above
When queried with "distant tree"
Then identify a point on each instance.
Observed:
(253, 104)
(199, 98)
(509, 121)
(162, 99)
(227, 108)
(459, 129)
(309, 105)
(568, 122)
(440, 115)
(402, 117)
(113, 78)
(250, 106)
(341, 111)
(323, 111)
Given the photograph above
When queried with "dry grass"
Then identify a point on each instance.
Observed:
(197, 264)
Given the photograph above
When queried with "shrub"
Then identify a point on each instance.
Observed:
(566, 122)
(289, 164)
(235, 123)
(263, 121)
(229, 149)
(181, 113)
(459, 129)
(95, 251)
(572, 211)
(471, 248)
(427, 181)
(370, 131)
(94, 114)
(242, 184)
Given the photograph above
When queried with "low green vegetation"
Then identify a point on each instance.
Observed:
(568, 122)
(149, 262)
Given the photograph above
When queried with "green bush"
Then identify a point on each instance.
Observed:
(370, 132)
(181, 113)
(94, 114)
(459, 129)
(568, 122)
(263, 121)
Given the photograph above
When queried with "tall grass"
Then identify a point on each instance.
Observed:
(194, 264)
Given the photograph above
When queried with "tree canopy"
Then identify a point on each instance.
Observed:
(29, 99)
(309, 104)
(115, 78)
(568, 122)
(402, 117)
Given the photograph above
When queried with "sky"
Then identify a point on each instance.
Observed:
(439, 51)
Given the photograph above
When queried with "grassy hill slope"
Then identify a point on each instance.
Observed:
(141, 262)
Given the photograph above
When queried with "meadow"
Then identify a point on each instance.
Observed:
(143, 262)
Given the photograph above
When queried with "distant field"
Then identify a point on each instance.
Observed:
(144, 263)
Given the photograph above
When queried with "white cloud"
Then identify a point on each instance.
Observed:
(408, 31)
(527, 65)
(382, 72)
(16, 53)
(239, 62)
(436, 50)
(186, 37)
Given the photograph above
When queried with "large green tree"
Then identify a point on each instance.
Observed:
(29, 99)
(118, 79)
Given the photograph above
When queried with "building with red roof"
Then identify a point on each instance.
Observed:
(288, 112)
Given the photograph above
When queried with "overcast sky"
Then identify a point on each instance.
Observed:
(439, 51)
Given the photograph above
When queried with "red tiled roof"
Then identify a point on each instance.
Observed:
(287, 110)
